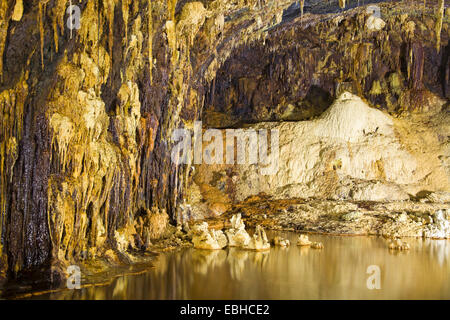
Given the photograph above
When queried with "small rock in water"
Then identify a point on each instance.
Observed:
(203, 238)
(317, 245)
(237, 236)
(303, 240)
(281, 242)
(398, 245)
(259, 241)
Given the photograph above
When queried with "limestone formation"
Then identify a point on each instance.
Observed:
(398, 245)
(237, 236)
(204, 238)
(440, 226)
(18, 11)
(351, 152)
(375, 24)
(259, 240)
(87, 115)
(351, 216)
(281, 242)
(374, 21)
(303, 241)
(317, 245)
(83, 160)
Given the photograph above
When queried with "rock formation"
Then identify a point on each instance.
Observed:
(303, 241)
(204, 238)
(237, 235)
(87, 116)
(440, 226)
(317, 245)
(351, 152)
(398, 245)
(281, 242)
(259, 240)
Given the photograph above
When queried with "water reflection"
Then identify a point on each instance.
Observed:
(336, 272)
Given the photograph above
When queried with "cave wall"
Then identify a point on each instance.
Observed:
(297, 72)
(87, 116)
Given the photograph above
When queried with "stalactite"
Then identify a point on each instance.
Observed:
(61, 11)
(171, 6)
(439, 19)
(58, 13)
(342, 4)
(11, 121)
(18, 11)
(109, 6)
(41, 30)
(126, 15)
(171, 29)
(302, 4)
(55, 32)
(4, 23)
(150, 40)
(98, 31)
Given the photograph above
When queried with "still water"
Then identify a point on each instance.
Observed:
(339, 271)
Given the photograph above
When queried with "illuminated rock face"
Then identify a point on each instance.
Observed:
(351, 152)
(86, 115)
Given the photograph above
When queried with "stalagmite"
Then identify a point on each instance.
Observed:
(237, 236)
(281, 242)
(398, 245)
(203, 238)
(259, 241)
(303, 240)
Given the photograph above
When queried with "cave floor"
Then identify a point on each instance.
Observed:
(335, 217)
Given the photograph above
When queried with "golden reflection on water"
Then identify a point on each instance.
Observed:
(336, 272)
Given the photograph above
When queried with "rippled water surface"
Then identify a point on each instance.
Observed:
(339, 271)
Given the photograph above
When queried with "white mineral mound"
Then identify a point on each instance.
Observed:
(351, 152)
(350, 119)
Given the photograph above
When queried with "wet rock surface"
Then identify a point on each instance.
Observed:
(86, 118)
